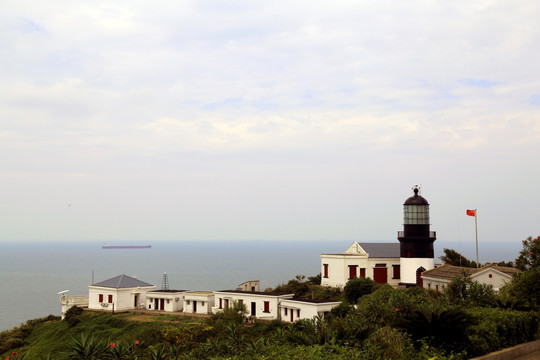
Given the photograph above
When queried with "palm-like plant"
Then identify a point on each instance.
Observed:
(158, 352)
(86, 347)
(446, 329)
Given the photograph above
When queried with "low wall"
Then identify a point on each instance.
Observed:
(513, 352)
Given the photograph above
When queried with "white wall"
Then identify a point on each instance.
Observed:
(497, 279)
(410, 265)
(205, 302)
(338, 268)
(435, 284)
(173, 301)
(123, 298)
(307, 310)
(249, 298)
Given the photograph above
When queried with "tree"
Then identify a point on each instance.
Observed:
(452, 257)
(525, 287)
(529, 256)
(358, 287)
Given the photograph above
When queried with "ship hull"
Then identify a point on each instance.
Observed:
(126, 246)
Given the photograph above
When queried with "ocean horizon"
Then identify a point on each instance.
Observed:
(32, 273)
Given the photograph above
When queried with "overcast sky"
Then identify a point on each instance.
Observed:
(298, 120)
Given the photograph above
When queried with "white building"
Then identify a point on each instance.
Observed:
(118, 293)
(259, 305)
(377, 261)
(439, 278)
(296, 309)
(165, 300)
(198, 302)
(250, 285)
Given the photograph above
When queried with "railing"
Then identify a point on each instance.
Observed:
(401, 234)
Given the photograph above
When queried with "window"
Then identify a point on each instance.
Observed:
(363, 272)
(188, 302)
(168, 300)
(110, 299)
(396, 273)
(325, 270)
(298, 313)
(437, 287)
(490, 276)
(100, 298)
(202, 303)
(285, 311)
(266, 307)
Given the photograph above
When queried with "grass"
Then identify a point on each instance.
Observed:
(41, 338)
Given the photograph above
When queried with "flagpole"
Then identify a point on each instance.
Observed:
(476, 231)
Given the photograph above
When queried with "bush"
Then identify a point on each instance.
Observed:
(73, 316)
(501, 328)
(358, 287)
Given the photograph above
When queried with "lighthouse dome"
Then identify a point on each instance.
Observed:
(416, 199)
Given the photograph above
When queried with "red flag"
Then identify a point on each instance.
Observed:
(471, 212)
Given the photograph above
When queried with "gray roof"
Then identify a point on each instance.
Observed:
(122, 281)
(381, 250)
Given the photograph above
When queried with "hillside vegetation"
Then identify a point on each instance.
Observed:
(373, 322)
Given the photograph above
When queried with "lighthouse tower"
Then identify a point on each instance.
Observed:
(416, 241)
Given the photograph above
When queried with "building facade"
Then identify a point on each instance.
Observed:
(377, 261)
(295, 309)
(198, 302)
(165, 300)
(496, 276)
(119, 293)
(259, 305)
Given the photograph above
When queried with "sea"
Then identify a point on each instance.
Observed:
(32, 274)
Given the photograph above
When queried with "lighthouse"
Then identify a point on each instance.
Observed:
(416, 240)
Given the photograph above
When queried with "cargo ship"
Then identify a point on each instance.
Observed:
(108, 246)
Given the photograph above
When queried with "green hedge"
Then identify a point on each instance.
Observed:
(501, 328)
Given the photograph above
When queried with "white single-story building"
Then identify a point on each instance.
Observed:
(439, 278)
(198, 302)
(377, 261)
(260, 305)
(298, 308)
(165, 300)
(118, 293)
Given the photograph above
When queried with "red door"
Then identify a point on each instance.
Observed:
(380, 275)
(352, 271)
(292, 315)
(162, 305)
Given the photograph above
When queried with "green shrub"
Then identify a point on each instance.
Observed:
(358, 287)
(501, 328)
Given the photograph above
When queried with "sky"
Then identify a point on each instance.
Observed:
(267, 120)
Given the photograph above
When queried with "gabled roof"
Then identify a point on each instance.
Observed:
(122, 281)
(374, 249)
(381, 250)
(504, 269)
(448, 272)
